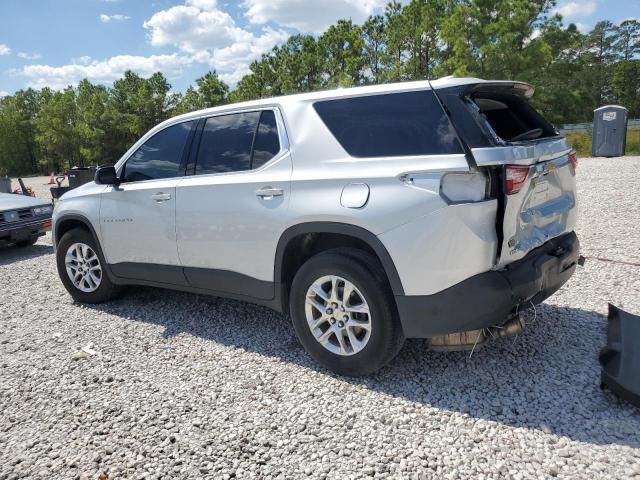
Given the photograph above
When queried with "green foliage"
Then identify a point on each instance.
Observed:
(581, 142)
(43, 131)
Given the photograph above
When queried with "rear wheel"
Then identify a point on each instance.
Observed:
(343, 312)
(81, 268)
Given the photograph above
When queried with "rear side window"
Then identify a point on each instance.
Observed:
(160, 156)
(267, 142)
(396, 124)
(226, 143)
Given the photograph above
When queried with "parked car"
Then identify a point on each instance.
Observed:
(23, 219)
(370, 214)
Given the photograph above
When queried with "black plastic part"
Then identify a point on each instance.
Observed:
(620, 359)
(489, 298)
(106, 175)
(80, 176)
(57, 192)
(344, 229)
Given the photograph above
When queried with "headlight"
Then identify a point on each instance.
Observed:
(46, 210)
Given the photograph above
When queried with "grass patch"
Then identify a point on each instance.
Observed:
(581, 142)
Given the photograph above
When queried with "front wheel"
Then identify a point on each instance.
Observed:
(344, 314)
(81, 268)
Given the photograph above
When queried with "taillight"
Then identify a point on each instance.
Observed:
(573, 158)
(515, 176)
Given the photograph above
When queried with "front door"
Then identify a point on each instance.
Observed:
(138, 217)
(231, 213)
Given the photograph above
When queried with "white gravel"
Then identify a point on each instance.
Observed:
(182, 386)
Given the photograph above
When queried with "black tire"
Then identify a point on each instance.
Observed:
(27, 243)
(106, 289)
(365, 272)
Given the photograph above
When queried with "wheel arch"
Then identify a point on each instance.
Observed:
(70, 221)
(292, 237)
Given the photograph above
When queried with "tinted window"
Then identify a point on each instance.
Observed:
(160, 156)
(226, 143)
(411, 123)
(266, 144)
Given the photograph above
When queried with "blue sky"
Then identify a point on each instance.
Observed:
(58, 42)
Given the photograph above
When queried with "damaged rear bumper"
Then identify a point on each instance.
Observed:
(490, 298)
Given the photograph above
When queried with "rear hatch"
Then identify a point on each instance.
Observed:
(531, 167)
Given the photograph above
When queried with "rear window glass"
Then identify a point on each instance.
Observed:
(512, 118)
(396, 124)
(267, 143)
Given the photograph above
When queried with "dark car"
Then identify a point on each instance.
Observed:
(23, 219)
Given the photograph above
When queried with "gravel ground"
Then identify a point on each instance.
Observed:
(183, 386)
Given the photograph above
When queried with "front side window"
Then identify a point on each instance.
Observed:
(160, 156)
(394, 124)
(226, 143)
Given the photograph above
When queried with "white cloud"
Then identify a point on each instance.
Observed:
(117, 17)
(309, 16)
(208, 34)
(105, 71)
(3, 94)
(582, 27)
(191, 28)
(29, 56)
(580, 8)
(4, 49)
(84, 60)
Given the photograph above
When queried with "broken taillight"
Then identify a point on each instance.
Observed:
(515, 176)
(573, 158)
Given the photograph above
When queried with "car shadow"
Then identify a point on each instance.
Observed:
(12, 253)
(546, 379)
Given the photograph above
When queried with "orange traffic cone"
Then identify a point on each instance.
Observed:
(52, 181)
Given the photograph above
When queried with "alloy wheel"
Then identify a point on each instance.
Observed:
(83, 267)
(338, 315)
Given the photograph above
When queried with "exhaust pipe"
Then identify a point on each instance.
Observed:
(473, 339)
(514, 326)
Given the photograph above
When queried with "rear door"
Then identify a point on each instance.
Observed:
(531, 165)
(232, 211)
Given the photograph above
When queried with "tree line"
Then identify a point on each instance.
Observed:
(574, 72)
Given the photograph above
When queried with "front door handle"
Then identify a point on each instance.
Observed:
(267, 193)
(161, 197)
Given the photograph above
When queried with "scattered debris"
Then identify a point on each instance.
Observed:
(79, 355)
(89, 350)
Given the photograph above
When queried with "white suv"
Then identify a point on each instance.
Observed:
(415, 210)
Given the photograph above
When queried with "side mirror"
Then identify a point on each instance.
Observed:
(107, 176)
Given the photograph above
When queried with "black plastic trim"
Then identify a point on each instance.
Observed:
(169, 274)
(344, 229)
(204, 279)
(229, 282)
(76, 217)
(218, 283)
(489, 298)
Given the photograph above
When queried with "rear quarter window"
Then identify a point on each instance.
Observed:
(395, 124)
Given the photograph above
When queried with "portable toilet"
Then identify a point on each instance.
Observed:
(609, 131)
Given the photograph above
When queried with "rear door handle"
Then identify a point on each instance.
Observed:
(268, 193)
(161, 197)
